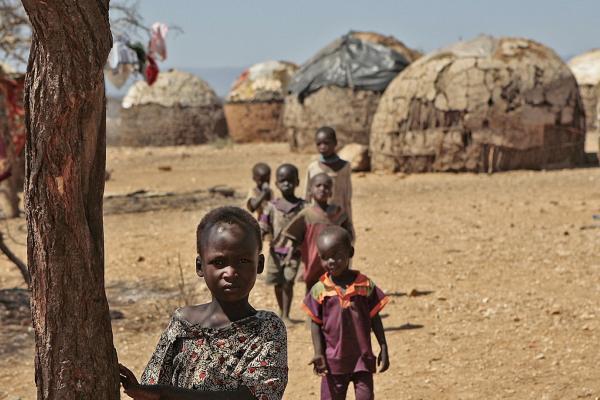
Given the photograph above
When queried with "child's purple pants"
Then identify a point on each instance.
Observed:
(335, 387)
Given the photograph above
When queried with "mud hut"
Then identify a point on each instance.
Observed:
(179, 108)
(341, 87)
(586, 68)
(254, 104)
(483, 105)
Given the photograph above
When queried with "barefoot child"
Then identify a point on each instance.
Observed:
(224, 349)
(260, 194)
(281, 270)
(344, 307)
(304, 229)
(330, 163)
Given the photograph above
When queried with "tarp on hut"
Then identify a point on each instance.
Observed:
(349, 61)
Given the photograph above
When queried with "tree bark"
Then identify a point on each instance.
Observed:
(65, 163)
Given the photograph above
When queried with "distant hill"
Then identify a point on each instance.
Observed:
(219, 78)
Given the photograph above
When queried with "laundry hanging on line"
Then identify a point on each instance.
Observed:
(158, 45)
(128, 57)
(122, 61)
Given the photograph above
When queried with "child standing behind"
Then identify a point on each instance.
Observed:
(330, 163)
(344, 307)
(224, 349)
(304, 229)
(260, 194)
(282, 270)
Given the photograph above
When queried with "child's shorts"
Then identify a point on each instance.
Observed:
(335, 387)
(277, 272)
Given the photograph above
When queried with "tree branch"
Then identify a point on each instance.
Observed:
(16, 260)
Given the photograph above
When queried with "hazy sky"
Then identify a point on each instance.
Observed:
(240, 33)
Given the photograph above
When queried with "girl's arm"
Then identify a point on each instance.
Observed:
(318, 361)
(163, 392)
(383, 359)
(306, 187)
(293, 234)
(255, 202)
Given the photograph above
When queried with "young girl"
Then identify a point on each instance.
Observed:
(224, 349)
(281, 269)
(330, 163)
(260, 194)
(304, 229)
(344, 307)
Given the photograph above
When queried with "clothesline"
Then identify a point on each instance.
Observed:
(127, 57)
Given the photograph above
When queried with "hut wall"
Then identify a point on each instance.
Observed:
(255, 121)
(350, 112)
(113, 121)
(589, 96)
(590, 101)
(445, 113)
(156, 125)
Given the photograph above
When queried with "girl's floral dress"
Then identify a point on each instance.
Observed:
(251, 352)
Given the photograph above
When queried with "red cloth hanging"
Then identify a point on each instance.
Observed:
(151, 70)
(12, 92)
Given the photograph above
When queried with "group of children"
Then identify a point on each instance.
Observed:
(228, 350)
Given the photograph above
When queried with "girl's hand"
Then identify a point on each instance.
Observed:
(319, 365)
(132, 386)
(383, 360)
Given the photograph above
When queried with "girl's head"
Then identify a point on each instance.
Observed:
(229, 243)
(261, 173)
(321, 188)
(335, 250)
(326, 141)
(287, 179)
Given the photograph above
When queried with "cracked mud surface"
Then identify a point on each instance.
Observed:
(488, 103)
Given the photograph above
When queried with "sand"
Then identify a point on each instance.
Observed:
(494, 279)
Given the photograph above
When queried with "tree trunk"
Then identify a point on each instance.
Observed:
(65, 162)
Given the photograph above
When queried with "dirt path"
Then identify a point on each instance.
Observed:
(505, 270)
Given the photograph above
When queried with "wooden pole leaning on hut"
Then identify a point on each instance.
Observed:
(65, 163)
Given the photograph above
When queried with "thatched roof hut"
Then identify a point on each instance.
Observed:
(179, 108)
(483, 105)
(586, 68)
(341, 86)
(254, 104)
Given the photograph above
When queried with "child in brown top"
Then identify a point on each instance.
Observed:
(261, 194)
(330, 163)
(304, 229)
(276, 216)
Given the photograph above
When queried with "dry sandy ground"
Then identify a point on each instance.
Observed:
(507, 269)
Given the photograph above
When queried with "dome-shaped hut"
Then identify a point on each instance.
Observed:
(341, 87)
(483, 105)
(254, 104)
(586, 68)
(179, 108)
